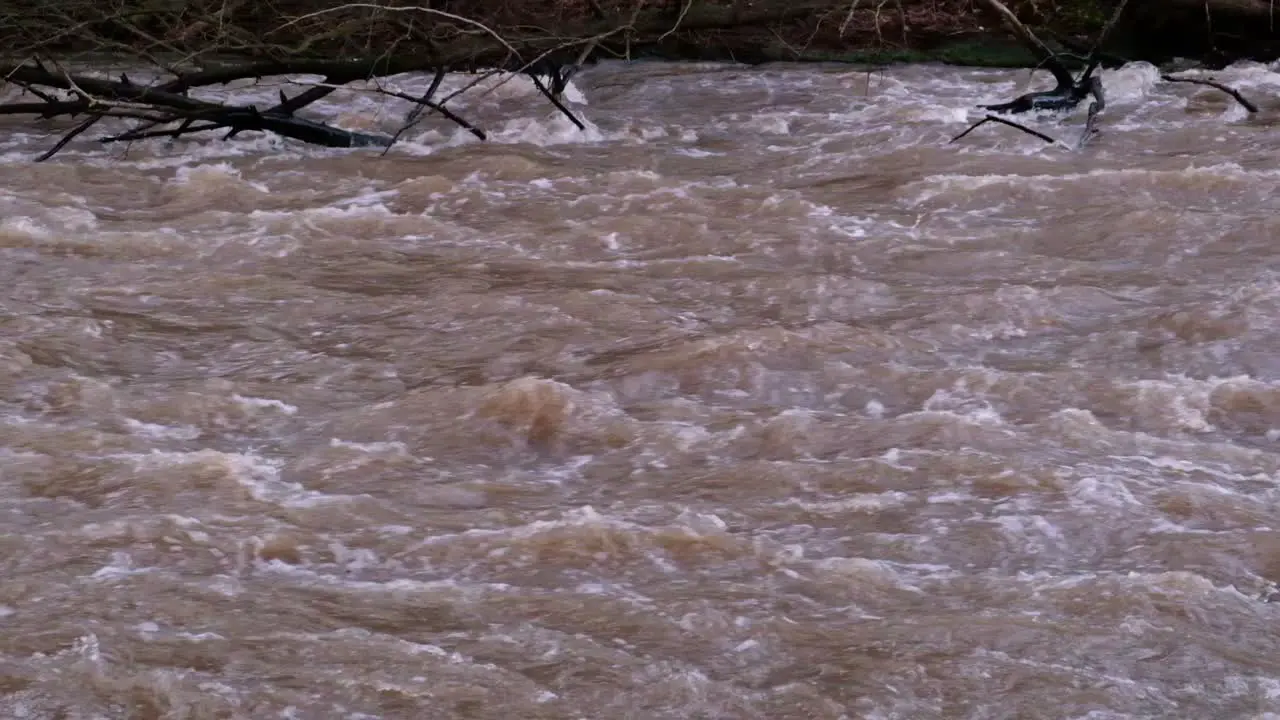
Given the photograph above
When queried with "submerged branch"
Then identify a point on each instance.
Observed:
(555, 99)
(1244, 102)
(1004, 121)
(438, 107)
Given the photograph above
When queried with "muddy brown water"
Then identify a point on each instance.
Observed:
(755, 400)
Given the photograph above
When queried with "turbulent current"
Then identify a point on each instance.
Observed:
(754, 400)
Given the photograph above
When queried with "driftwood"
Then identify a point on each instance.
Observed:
(1069, 90)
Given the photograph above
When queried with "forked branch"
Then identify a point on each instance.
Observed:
(1244, 102)
(1068, 92)
(1004, 121)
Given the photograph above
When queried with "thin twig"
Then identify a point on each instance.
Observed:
(683, 11)
(408, 8)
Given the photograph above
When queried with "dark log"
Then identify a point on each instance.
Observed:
(51, 108)
(288, 106)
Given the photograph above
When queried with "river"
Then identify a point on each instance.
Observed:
(755, 400)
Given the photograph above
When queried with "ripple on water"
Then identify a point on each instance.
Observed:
(754, 400)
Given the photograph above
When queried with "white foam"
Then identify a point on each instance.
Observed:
(256, 403)
(257, 474)
(1109, 491)
(930, 187)
(205, 176)
(121, 566)
(859, 502)
(162, 432)
(373, 448)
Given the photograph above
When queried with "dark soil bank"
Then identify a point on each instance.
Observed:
(873, 31)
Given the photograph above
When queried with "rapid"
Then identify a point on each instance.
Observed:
(754, 400)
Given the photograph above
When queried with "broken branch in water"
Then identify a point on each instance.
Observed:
(1244, 102)
(1069, 90)
(93, 120)
(413, 116)
(425, 101)
(555, 98)
(1004, 121)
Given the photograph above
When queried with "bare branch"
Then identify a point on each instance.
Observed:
(93, 120)
(848, 18)
(537, 82)
(1033, 43)
(1244, 102)
(429, 11)
(684, 10)
(1004, 121)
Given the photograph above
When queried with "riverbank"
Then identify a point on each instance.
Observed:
(958, 32)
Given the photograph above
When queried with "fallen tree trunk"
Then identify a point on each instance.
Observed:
(97, 97)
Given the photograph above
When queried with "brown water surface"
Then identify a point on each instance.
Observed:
(755, 400)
